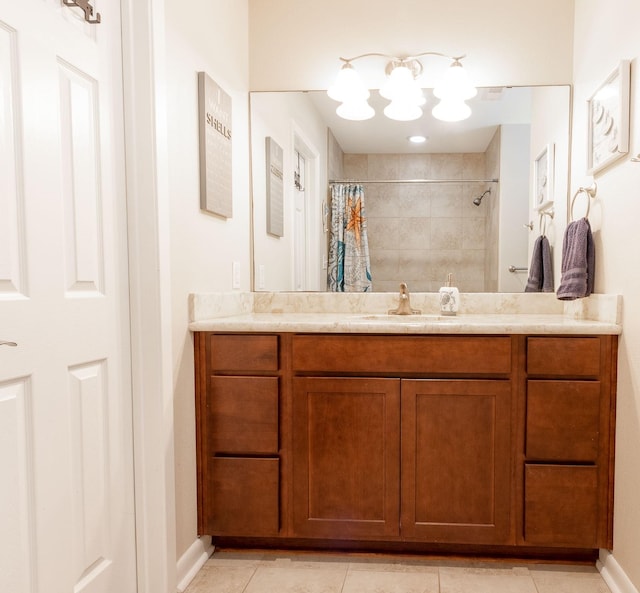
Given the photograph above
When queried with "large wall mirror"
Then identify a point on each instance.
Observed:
(473, 214)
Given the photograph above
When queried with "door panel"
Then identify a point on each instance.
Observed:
(345, 461)
(12, 249)
(456, 459)
(17, 511)
(65, 398)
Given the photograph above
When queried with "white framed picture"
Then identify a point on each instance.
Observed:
(543, 178)
(608, 113)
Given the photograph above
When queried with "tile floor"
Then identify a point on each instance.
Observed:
(284, 572)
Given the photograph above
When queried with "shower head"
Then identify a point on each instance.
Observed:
(478, 200)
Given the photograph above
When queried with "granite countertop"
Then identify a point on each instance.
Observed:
(406, 324)
(483, 314)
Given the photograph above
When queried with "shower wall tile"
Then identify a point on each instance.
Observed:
(447, 166)
(419, 233)
(356, 166)
(447, 234)
(335, 160)
(414, 166)
(384, 166)
(473, 230)
(386, 263)
(473, 165)
(446, 201)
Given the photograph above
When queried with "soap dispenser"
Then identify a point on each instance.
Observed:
(449, 298)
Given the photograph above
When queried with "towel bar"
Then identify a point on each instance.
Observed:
(591, 191)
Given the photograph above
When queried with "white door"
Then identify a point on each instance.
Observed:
(66, 486)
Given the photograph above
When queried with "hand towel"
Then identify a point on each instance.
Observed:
(540, 271)
(578, 261)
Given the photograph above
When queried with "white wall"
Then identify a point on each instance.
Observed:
(282, 117)
(551, 126)
(295, 44)
(514, 206)
(211, 36)
(606, 32)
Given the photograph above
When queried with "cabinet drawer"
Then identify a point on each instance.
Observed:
(403, 354)
(242, 415)
(555, 357)
(244, 496)
(563, 420)
(239, 352)
(561, 505)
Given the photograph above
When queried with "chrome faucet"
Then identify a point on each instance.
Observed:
(404, 303)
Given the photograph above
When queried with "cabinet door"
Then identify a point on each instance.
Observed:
(346, 452)
(456, 456)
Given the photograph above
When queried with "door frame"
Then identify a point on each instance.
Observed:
(144, 102)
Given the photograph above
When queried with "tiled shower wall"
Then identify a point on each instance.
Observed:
(418, 233)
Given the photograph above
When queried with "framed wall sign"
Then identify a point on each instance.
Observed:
(275, 188)
(608, 112)
(543, 178)
(214, 110)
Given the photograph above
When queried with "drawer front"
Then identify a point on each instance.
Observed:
(403, 354)
(563, 420)
(561, 505)
(242, 415)
(244, 497)
(556, 357)
(239, 353)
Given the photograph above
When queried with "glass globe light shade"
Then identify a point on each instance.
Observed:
(355, 110)
(348, 86)
(448, 110)
(398, 83)
(455, 84)
(403, 110)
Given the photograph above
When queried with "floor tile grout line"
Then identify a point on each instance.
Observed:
(255, 569)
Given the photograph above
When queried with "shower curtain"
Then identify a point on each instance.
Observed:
(349, 268)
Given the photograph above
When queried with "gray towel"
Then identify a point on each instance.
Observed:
(540, 271)
(578, 261)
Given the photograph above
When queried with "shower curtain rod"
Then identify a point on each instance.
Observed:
(364, 181)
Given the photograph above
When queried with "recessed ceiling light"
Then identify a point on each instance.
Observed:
(417, 139)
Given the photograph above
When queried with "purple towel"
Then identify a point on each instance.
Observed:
(578, 261)
(540, 271)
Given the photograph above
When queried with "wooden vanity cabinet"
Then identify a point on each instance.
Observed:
(407, 441)
(413, 456)
(569, 444)
(237, 379)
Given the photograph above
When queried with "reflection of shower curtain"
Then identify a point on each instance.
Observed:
(349, 269)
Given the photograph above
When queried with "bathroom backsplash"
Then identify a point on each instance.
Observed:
(597, 307)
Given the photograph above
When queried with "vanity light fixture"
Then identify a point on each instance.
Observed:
(403, 90)
(417, 139)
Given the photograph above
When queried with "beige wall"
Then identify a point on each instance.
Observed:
(295, 44)
(203, 246)
(292, 121)
(606, 32)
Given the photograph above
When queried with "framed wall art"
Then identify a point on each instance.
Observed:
(608, 113)
(214, 106)
(275, 188)
(543, 178)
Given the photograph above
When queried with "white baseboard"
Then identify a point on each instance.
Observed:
(192, 561)
(612, 573)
